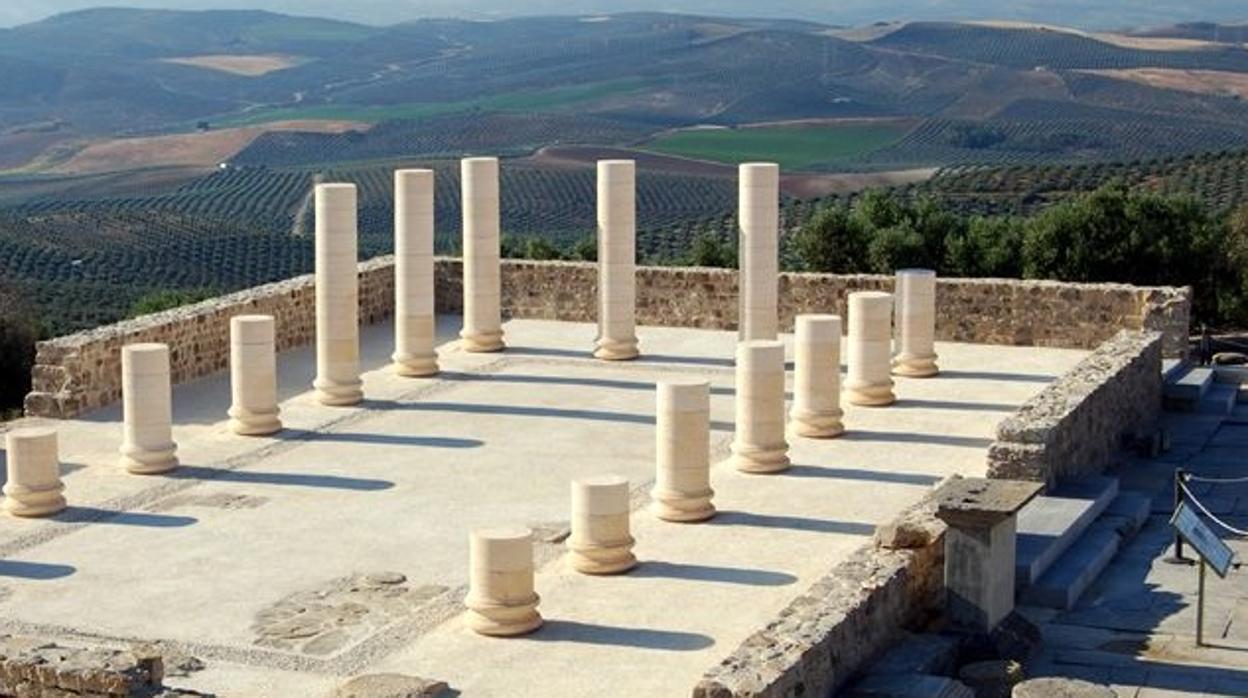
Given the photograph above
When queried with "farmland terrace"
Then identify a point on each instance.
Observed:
(217, 559)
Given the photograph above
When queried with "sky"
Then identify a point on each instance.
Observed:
(1097, 14)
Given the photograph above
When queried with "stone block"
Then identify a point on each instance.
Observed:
(392, 686)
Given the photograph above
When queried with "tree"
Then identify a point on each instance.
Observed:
(585, 249)
(18, 333)
(986, 247)
(896, 247)
(832, 240)
(711, 250)
(541, 248)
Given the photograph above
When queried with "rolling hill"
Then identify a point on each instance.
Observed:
(155, 149)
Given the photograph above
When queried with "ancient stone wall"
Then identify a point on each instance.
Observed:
(846, 619)
(36, 668)
(1075, 425)
(83, 371)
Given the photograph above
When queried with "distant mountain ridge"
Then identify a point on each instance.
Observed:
(1104, 14)
(994, 92)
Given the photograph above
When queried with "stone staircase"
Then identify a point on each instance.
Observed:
(1188, 388)
(1068, 536)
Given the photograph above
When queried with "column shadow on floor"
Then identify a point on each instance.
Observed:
(94, 515)
(796, 523)
(641, 360)
(609, 383)
(379, 439)
(997, 376)
(711, 573)
(917, 403)
(555, 630)
(524, 411)
(334, 482)
(819, 471)
(40, 571)
(905, 437)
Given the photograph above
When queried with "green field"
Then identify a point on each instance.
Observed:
(793, 147)
(523, 100)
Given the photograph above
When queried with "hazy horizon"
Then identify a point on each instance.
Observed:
(1107, 14)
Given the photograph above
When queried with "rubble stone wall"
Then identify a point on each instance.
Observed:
(1076, 424)
(846, 619)
(82, 371)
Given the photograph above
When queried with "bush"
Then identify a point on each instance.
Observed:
(168, 299)
(711, 250)
(18, 333)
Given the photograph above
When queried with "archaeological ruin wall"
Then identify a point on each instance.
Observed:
(1076, 424)
(82, 371)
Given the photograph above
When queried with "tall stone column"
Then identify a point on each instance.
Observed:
(501, 600)
(415, 328)
(682, 484)
(915, 352)
(33, 486)
(759, 250)
(483, 324)
(337, 297)
(601, 542)
(147, 444)
(817, 377)
(759, 445)
(253, 376)
(617, 259)
(870, 334)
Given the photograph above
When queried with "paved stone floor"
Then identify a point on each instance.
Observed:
(339, 547)
(1135, 627)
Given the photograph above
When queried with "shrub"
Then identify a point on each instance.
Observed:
(18, 333)
(168, 299)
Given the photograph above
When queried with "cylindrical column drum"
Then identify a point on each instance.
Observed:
(483, 325)
(617, 284)
(415, 326)
(682, 484)
(147, 410)
(870, 334)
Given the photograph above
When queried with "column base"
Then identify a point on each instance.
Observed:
(147, 461)
(499, 620)
(814, 425)
(338, 394)
(616, 350)
(412, 366)
(915, 366)
(749, 459)
(680, 507)
(871, 395)
(246, 423)
(603, 559)
(28, 503)
(481, 342)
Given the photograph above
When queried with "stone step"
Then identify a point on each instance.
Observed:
(1219, 399)
(1050, 524)
(1062, 585)
(1184, 389)
(1128, 512)
(921, 653)
(907, 686)
(1171, 369)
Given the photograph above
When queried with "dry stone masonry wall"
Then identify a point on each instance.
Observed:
(83, 371)
(845, 620)
(1074, 426)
